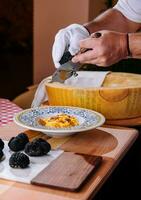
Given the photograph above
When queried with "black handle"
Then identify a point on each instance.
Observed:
(66, 57)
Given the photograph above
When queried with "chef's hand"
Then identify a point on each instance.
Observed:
(106, 50)
(68, 39)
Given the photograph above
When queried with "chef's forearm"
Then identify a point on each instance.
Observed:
(135, 45)
(112, 20)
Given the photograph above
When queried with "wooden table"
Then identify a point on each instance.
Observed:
(110, 142)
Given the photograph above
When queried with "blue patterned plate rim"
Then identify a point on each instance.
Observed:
(88, 119)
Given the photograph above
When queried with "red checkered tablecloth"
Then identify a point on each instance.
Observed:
(7, 111)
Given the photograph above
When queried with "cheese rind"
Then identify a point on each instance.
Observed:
(118, 98)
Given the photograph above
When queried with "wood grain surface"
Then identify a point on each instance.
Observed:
(124, 138)
(94, 142)
(68, 172)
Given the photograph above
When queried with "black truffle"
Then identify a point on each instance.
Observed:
(1, 155)
(19, 160)
(37, 147)
(23, 136)
(18, 143)
(1, 144)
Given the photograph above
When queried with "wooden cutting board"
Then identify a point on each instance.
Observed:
(68, 172)
(93, 142)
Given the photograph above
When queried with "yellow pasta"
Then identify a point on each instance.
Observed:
(59, 121)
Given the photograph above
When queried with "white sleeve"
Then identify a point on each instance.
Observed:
(131, 9)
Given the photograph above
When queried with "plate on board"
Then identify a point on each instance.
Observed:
(88, 119)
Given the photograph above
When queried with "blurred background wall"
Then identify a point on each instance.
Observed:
(16, 46)
(27, 31)
(52, 15)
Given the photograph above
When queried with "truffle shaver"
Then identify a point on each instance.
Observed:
(68, 68)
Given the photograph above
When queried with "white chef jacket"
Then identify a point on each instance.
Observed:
(131, 9)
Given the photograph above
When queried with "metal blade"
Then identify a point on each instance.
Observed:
(65, 71)
(68, 68)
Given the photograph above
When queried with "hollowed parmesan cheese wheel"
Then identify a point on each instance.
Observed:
(118, 98)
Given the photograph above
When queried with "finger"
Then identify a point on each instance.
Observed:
(89, 43)
(96, 62)
(89, 55)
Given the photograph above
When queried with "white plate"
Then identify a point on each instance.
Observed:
(88, 119)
